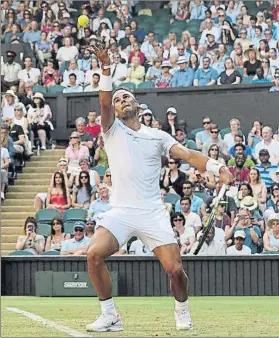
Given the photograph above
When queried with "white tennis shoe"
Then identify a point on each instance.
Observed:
(183, 320)
(106, 322)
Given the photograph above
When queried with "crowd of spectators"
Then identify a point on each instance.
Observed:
(247, 219)
(151, 44)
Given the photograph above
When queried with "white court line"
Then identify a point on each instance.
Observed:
(50, 323)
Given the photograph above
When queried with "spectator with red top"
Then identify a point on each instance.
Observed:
(238, 171)
(92, 127)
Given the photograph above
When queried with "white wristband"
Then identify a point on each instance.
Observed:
(214, 166)
(105, 83)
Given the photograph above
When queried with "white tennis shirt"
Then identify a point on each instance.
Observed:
(135, 163)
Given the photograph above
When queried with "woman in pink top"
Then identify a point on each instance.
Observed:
(75, 152)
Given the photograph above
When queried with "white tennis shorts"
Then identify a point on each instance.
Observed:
(152, 227)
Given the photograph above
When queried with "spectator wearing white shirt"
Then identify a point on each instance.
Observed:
(73, 86)
(9, 71)
(147, 47)
(68, 52)
(119, 33)
(169, 50)
(269, 144)
(210, 29)
(273, 59)
(239, 249)
(192, 219)
(94, 86)
(93, 70)
(73, 70)
(231, 11)
(100, 17)
(29, 74)
(211, 246)
(8, 104)
(235, 129)
(268, 36)
(137, 248)
(118, 70)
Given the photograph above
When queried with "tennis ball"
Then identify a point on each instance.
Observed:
(83, 20)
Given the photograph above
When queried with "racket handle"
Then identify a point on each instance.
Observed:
(222, 191)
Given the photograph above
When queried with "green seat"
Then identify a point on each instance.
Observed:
(101, 169)
(50, 253)
(75, 215)
(194, 133)
(46, 216)
(68, 227)
(202, 195)
(39, 89)
(21, 253)
(44, 229)
(146, 84)
(162, 12)
(247, 80)
(129, 85)
(191, 145)
(240, 70)
(172, 198)
(224, 132)
(56, 89)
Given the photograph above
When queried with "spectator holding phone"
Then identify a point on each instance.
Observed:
(31, 241)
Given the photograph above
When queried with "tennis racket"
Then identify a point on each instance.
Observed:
(211, 218)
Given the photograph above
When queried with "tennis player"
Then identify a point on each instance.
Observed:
(134, 153)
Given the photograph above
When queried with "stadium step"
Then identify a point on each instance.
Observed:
(18, 208)
(19, 202)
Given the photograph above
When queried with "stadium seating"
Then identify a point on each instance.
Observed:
(75, 215)
(46, 216)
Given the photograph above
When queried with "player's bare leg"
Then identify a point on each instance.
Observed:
(170, 259)
(103, 245)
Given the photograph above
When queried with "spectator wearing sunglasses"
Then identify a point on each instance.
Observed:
(54, 241)
(173, 178)
(188, 191)
(77, 245)
(203, 136)
(186, 233)
(216, 139)
(83, 193)
(107, 179)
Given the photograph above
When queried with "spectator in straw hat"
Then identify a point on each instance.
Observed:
(271, 236)
(252, 63)
(184, 76)
(164, 80)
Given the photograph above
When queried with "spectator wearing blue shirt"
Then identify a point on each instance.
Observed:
(265, 167)
(198, 11)
(84, 63)
(205, 135)
(184, 76)
(33, 35)
(205, 76)
(272, 27)
(100, 205)
(73, 87)
(77, 245)
(252, 231)
(196, 202)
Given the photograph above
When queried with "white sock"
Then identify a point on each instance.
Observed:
(108, 306)
(179, 306)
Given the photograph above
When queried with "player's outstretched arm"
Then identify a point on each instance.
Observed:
(201, 162)
(105, 86)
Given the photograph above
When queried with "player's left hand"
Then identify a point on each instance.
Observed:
(225, 176)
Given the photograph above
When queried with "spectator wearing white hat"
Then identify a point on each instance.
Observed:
(205, 76)
(271, 236)
(184, 76)
(147, 118)
(170, 124)
(239, 249)
(8, 104)
(164, 81)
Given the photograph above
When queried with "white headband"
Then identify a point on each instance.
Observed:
(121, 91)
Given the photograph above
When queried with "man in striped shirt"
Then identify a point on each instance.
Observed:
(265, 167)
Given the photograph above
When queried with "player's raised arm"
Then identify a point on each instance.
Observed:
(105, 86)
(202, 162)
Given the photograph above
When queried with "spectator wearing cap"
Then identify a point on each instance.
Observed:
(28, 74)
(265, 167)
(214, 138)
(8, 104)
(165, 79)
(73, 87)
(271, 236)
(100, 205)
(77, 245)
(9, 72)
(211, 43)
(33, 34)
(170, 124)
(118, 70)
(204, 136)
(275, 88)
(184, 76)
(239, 249)
(268, 143)
(147, 118)
(75, 152)
(243, 221)
(206, 76)
(209, 28)
(39, 116)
